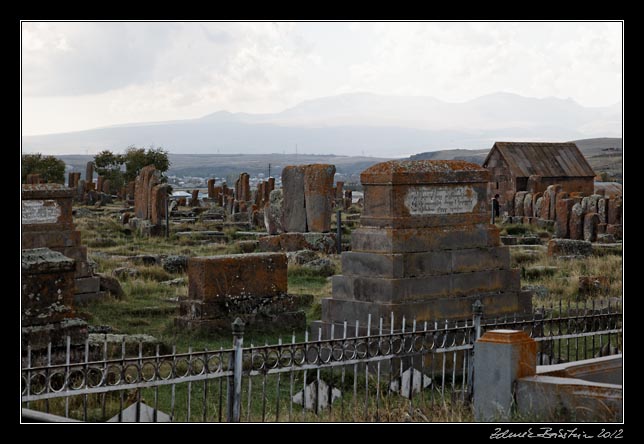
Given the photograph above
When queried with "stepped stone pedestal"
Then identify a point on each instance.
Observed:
(47, 223)
(425, 250)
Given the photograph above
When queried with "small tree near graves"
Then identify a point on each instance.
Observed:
(50, 168)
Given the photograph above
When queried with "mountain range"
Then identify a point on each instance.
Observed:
(354, 124)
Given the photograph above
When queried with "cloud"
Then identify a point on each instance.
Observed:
(141, 71)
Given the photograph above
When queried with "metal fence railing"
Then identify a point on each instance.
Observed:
(417, 371)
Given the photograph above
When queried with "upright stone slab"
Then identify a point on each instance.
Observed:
(527, 205)
(425, 249)
(318, 194)
(89, 173)
(576, 222)
(519, 197)
(564, 207)
(294, 212)
(591, 221)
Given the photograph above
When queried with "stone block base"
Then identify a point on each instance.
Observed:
(451, 308)
(38, 336)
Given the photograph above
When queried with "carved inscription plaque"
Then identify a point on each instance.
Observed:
(421, 201)
(40, 211)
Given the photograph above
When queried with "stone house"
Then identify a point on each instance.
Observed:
(533, 166)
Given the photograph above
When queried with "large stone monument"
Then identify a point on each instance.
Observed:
(425, 249)
(47, 223)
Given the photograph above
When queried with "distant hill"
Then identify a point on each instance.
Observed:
(355, 124)
(474, 156)
(605, 155)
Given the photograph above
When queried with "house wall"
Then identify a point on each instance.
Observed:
(502, 181)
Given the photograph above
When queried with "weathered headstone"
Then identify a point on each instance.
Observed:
(211, 189)
(576, 222)
(425, 249)
(273, 213)
(518, 203)
(89, 173)
(99, 183)
(194, 199)
(250, 286)
(545, 205)
(591, 221)
(564, 207)
(318, 194)
(308, 197)
(527, 206)
(294, 211)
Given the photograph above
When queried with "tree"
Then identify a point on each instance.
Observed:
(108, 165)
(50, 168)
(137, 158)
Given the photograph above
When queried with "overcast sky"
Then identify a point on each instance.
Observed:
(79, 75)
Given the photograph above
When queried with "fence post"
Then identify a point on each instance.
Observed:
(477, 310)
(338, 233)
(477, 314)
(234, 392)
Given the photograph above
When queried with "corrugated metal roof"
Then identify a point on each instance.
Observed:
(543, 159)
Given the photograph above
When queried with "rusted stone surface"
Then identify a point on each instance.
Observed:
(564, 207)
(141, 195)
(258, 274)
(107, 186)
(591, 221)
(89, 172)
(251, 286)
(545, 205)
(159, 197)
(614, 211)
(425, 247)
(294, 211)
(339, 192)
(99, 183)
(194, 199)
(576, 222)
(318, 186)
(615, 230)
(554, 190)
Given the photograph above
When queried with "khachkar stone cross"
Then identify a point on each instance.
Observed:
(425, 249)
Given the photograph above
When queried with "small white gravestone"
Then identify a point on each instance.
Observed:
(146, 415)
(403, 388)
(311, 394)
